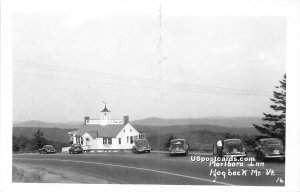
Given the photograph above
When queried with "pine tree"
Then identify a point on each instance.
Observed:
(275, 123)
(38, 140)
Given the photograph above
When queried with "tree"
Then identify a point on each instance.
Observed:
(38, 141)
(167, 143)
(16, 146)
(275, 123)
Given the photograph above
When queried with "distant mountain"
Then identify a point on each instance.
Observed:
(200, 132)
(174, 129)
(234, 122)
(41, 124)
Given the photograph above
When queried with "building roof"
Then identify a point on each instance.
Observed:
(97, 131)
(105, 110)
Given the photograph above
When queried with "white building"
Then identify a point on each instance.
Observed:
(106, 134)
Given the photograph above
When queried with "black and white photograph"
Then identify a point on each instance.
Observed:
(158, 95)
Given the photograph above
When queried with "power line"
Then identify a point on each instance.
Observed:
(143, 98)
(181, 86)
(121, 77)
(142, 86)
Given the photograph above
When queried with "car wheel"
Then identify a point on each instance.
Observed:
(149, 151)
(257, 155)
(171, 155)
(215, 153)
(262, 157)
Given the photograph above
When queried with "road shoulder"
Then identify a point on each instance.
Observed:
(33, 174)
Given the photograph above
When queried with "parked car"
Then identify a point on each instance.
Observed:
(270, 148)
(178, 146)
(47, 149)
(75, 148)
(230, 148)
(140, 146)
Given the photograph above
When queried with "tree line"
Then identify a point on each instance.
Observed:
(24, 144)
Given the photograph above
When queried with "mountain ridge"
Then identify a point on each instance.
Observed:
(237, 122)
(234, 122)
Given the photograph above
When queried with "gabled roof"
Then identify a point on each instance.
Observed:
(90, 129)
(105, 110)
(110, 130)
(97, 131)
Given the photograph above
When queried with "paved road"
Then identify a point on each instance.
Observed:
(154, 168)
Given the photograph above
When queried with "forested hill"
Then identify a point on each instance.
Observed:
(232, 122)
(54, 134)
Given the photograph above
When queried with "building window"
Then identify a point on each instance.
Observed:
(88, 141)
(107, 140)
(124, 131)
(130, 130)
(119, 140)
(131, 139)
(127, 139)
(81, 140)
(135, 137)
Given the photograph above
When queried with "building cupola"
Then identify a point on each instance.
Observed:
(105, 113)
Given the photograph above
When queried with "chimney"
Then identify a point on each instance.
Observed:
(86, 119)
(126, 119)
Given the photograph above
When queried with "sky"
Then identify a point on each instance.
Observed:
(146, 62)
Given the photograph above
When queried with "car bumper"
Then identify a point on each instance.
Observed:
(51, 151)
(274, 156)
(177, 152)
(237, 155)
(143, 150)
(76, 151)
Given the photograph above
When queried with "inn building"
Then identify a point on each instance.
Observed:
(106, 134)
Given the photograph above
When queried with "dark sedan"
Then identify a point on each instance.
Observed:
(75, 148)
(179, 147)
(270, 148)
(141, 145)
(230, 148)
(47, 149)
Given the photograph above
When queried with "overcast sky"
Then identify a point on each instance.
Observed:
(190, 66)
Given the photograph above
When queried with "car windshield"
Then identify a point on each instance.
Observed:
(48, 147)
(177, 142)
(142, 142)
(233, 145)
(273, 143)
(232, 142)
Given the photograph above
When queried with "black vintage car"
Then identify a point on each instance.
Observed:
(75, 148)
(270, 148)
(47, 149)
(141, 145)
(178, 146)
(230, 148)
